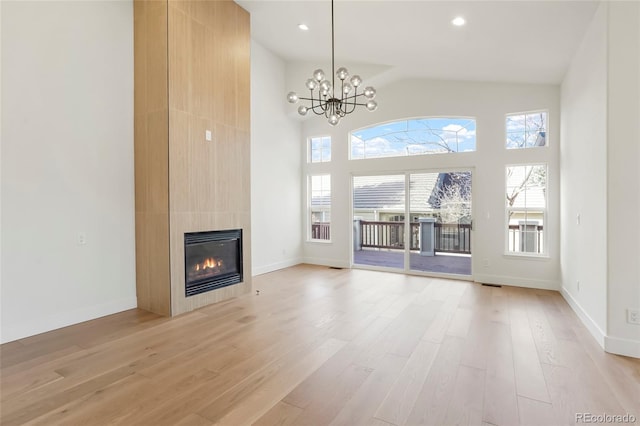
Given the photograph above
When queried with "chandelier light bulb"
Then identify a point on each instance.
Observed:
(458, 21)
(325, 86)
(372, 105)
(324, 92)
(334, 119)
(292, 97)
(347, 88)
(302, 110)
(311, 84)
(369, 92)
(356, 80)
(342, 73)
(318, 75)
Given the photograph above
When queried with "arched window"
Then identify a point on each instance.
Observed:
(415, 136)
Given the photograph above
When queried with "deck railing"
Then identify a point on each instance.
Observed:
(321, 231)
(527, 238)
(453, 238)
(449, 238)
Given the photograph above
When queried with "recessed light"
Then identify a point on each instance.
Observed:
(458, 21)
(303, 27)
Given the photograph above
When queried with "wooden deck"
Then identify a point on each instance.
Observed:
(322, 346)
(440, 263)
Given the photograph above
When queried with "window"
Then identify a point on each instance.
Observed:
(526, 208)
(416, 136)
(320, 207)
(527, 130)
(320, 149)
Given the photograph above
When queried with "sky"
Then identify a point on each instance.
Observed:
(414, 137)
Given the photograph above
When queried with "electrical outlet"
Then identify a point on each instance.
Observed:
(82, 238)
(485, 263)
(633, 316)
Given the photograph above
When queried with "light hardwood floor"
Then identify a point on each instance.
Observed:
(324, 346)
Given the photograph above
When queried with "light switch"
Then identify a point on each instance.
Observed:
(578, 219)
(207, 135)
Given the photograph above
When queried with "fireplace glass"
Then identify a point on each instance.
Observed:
(212, 260)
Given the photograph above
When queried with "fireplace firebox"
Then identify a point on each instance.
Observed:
(212, 260)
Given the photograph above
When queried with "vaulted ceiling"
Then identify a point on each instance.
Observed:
(506, 41)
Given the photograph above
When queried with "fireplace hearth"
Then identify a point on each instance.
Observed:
(212, 260)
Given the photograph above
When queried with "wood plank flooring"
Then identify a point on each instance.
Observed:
(321, 346)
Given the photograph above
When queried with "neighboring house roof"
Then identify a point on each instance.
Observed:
(387, 192)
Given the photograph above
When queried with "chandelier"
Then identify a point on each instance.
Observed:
(334, 103)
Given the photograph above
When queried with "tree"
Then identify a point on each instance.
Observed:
(451, 196)
(527, 130)
(522, 178)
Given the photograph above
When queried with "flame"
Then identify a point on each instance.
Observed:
(209, 263)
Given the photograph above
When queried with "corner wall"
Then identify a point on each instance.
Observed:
(600, 161)
(67, 164)
(583, 160)
(623, 177)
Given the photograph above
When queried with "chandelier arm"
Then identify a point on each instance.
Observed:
(321, 112)
(352, 103)
(353, 97)
(321, 103)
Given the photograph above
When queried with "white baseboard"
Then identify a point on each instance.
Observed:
(11, 332)
(516, 281)
(619, 346)
(259, 270)
(326, 262)
(588, 322)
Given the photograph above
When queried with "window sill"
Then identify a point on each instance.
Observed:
(538, 257)
(319, 241)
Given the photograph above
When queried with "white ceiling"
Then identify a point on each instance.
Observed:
(508, 41)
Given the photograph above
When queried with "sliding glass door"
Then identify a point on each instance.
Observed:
(417, 222)
(379, 205)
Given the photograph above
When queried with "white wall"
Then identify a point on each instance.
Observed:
(67, 164)
(583, 162)
(600, 160)
(275, 167)
(489, 103)
(623, 177)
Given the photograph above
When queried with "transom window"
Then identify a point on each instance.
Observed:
(527, 130)
(417, 136)
(320, 149)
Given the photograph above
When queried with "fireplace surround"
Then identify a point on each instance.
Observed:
(212, 260)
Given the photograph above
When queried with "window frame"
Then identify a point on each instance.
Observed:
(408, 119)
(544, 253)
(311, 208)
(310, 149)
(525, 113)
